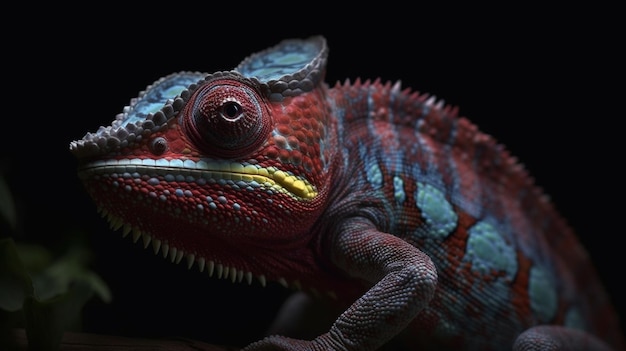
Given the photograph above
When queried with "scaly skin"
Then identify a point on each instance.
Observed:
(423, 228)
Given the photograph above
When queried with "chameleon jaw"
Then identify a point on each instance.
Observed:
(128, 190)
(175, 255)
(207, 170)
(212, 267)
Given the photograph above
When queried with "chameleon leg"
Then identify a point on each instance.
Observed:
(404, 281)
(553, 338)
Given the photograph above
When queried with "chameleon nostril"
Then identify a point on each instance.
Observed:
(158, 145)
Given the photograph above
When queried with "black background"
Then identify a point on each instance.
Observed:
(542, 81)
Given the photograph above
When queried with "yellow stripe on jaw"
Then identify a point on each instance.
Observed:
(297, 186)
(210, 169)
(293, 184)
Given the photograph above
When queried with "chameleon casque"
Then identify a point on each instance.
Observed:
(426, 230)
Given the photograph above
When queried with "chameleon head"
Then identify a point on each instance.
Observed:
(225, 168)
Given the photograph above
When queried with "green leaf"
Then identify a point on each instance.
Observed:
(57, 278)
(60, 291)
(48, 294)
(35, 258)
(15, 282)
(46, 321)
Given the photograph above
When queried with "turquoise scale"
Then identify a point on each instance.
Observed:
(284, 59)
(156, 95)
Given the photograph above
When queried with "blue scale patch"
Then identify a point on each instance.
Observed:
(156, 96)
(398, 190)
(284, 59)
(542, 293)
(436, 210)
(488, 251)
(373, 173)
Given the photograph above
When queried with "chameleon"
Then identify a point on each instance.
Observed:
(424, 231)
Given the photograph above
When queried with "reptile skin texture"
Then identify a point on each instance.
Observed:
(422, 229)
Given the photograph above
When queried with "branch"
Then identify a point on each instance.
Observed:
(95, 342)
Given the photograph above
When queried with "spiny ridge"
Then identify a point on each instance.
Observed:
(176, 255)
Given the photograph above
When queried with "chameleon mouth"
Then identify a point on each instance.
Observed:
(214, 268)
(209, 171)
(175, 255)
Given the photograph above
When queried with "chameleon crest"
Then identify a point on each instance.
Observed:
(424, 230)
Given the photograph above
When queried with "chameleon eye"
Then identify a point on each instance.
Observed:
(231, 110)
(226, 118)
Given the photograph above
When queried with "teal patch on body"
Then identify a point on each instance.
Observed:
(488, 251)
(542, 293)
(436, 210)
(373, 173)
(574, 319)
(398, 190)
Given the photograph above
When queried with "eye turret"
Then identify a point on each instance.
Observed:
(226, 118)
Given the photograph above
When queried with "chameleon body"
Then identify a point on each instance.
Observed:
(426, 231)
